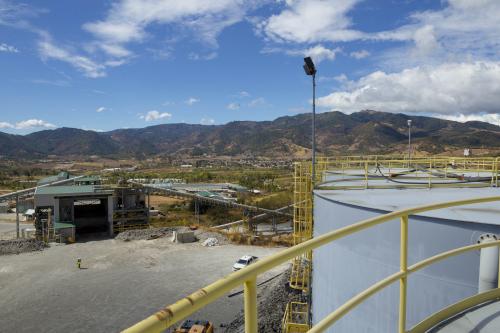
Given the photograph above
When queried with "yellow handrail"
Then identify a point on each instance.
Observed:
(247, 276)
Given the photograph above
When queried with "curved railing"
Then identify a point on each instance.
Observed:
(433, 172)
(185, 307)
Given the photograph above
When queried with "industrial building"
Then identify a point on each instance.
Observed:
(88, 209)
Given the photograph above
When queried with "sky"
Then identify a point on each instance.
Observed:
(102, 65)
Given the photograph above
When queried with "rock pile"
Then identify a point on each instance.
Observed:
(144, 234)
(16, 246)
(210, 242)
(203, 235)
(273, 298)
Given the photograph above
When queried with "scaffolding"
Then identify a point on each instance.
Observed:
(363, 172)
(296, 318)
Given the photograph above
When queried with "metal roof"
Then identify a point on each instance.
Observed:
(69, 190)
(88, 178)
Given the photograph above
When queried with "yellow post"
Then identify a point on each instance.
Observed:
(403, 263)
(251, 306)
(366, 174)
(498, 278)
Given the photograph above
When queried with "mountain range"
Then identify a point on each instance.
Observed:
(284, 137)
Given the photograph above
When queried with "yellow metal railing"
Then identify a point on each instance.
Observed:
(185, 307)
(425, 172)
(296, 318)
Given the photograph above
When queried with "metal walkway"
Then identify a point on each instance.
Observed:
(482, 319)
(212, 201)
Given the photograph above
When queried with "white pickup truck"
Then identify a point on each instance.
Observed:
(244, 262)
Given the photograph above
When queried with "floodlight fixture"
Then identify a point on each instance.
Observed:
(309, 67)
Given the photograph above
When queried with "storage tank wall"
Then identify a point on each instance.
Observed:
(346, 267)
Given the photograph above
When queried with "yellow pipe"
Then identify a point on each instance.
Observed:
(446, 313)
(438, 257)
(185, 307)
(403, 266)
(251, 323)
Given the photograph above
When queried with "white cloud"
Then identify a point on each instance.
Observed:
(154, 115)
(257, 102)
(311, 21)
(244, 94)
(425, 40)
(493, 118)
(4, 124)
(207, 121)
(48, 50)
(101, 109)
(8, 48)
(318, 53)
(128, 20)
(192, 100)
(233, 106)
(339, 78)
(15, 14)
(198, 56)
(115, 50)
(33, 123)
(360, 54)
(462, 30)
(448, 89)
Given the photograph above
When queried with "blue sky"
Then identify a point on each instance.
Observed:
(104, 65)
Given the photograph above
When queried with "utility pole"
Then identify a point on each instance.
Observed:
(409, 143)
(314, 130)
(17, 216)
(310, 70)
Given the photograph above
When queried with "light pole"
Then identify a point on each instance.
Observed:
(409, 142)
(310, 69)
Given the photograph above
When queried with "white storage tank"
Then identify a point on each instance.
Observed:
(347, 266)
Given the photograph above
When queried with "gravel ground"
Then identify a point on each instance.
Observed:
(16, 246)
(120, 284)
(273, 298)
